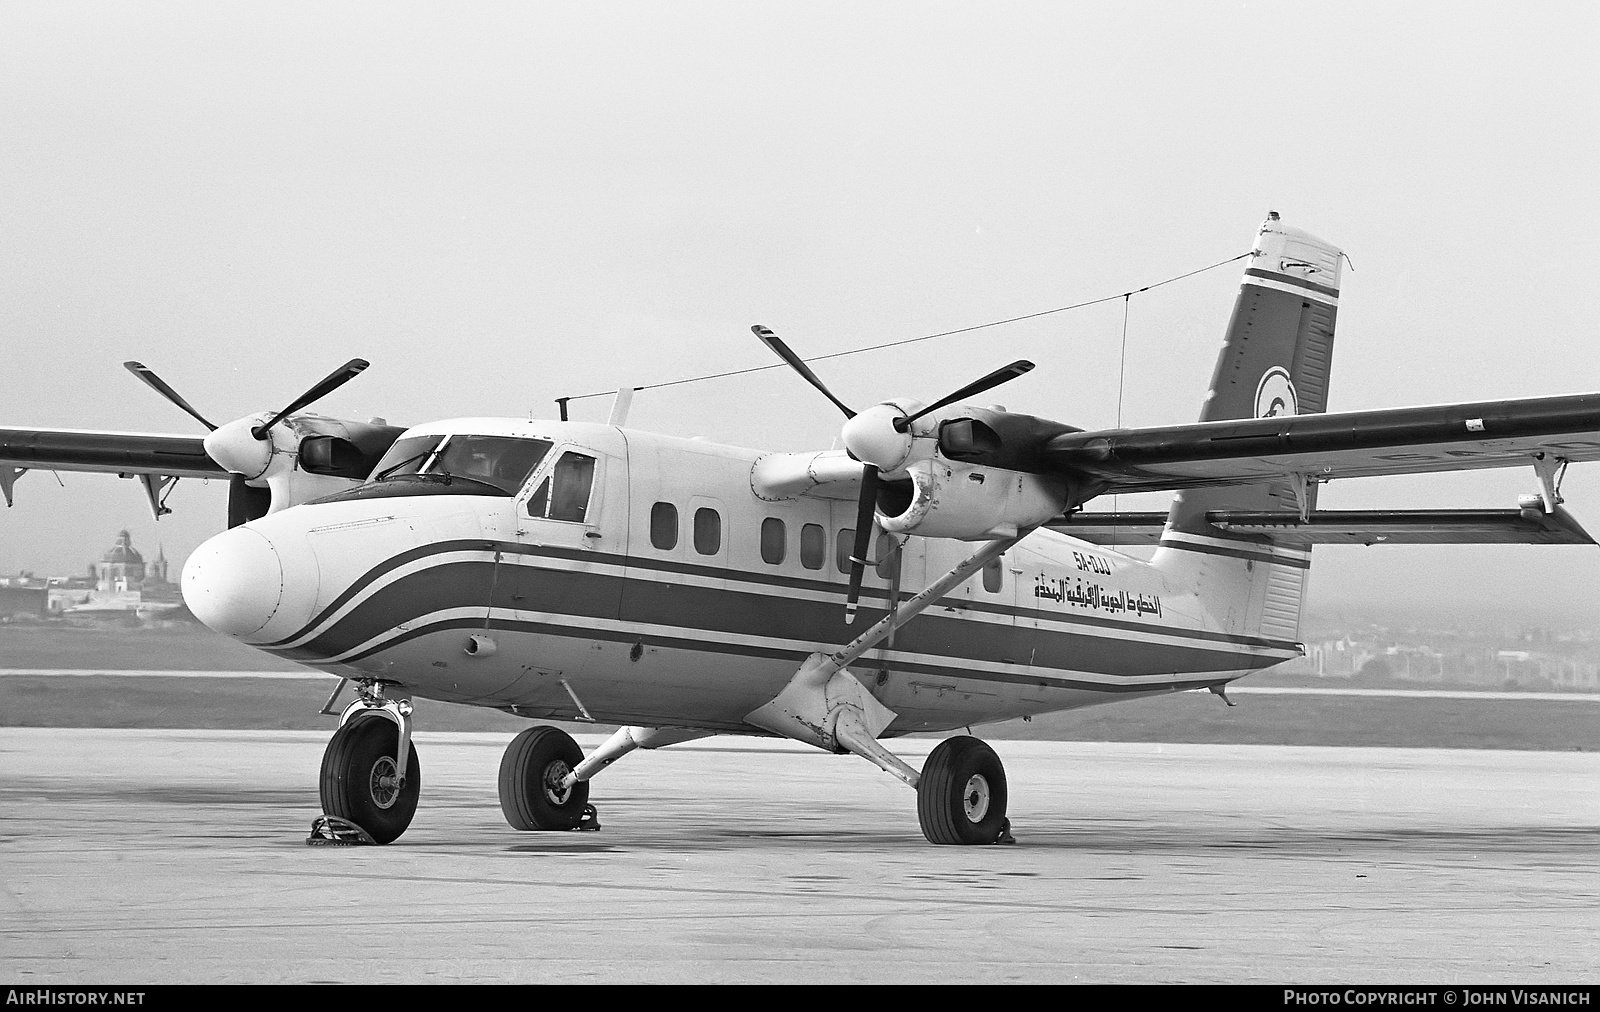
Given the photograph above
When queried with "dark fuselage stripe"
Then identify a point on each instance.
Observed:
(749, 650)
(602, 597)
(869, 594)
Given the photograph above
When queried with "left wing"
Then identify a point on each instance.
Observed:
(119, 452)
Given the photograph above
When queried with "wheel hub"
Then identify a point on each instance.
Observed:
(975, 798)
(384, 784)
(553, 775)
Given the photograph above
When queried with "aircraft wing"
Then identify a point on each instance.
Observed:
(1321, 447)
(112, 452)
(1346, 527)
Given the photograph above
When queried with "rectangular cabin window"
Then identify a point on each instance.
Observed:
(842, 547)
(774, 538)
(992, 577)
(664, 526)
(813, 546)
(707, 531)
(565, 494)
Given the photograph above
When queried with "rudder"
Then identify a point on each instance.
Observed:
(1275, 360)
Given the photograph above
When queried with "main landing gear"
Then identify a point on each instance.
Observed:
(961, 794)
(535, 792)
(961, 791)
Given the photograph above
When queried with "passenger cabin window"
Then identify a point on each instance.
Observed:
(664, 526)
(992, 577)
(813, 546)
(842, 547)
(774, 537)
(564, 495)
(707, 531)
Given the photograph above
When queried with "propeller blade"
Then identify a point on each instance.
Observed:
(159, 385)
(864, 523)
(1003, 375)
(333, 381)
(246, 502)
(772, 341)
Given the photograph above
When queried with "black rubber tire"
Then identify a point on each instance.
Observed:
(533, 757)
(961, 798)
(353, 760)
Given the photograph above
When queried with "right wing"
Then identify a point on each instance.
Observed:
(1541, 431)
(1345, 527)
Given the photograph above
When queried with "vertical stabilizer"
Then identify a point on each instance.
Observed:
(1274, 361)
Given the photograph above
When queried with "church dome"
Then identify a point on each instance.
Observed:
(123, 551)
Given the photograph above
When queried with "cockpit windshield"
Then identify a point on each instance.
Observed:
(452, 464)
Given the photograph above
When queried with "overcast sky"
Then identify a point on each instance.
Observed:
(500, 204)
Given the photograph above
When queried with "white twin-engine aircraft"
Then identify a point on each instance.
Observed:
(590, 572)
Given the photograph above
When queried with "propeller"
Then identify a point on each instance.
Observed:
(160, 386)
(331, 382)
(225, 445)
(876, 445)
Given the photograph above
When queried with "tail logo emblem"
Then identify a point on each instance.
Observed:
(1275, 394)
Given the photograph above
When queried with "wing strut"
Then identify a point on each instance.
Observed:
(1550, 471)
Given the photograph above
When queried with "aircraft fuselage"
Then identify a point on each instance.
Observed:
(674, 595)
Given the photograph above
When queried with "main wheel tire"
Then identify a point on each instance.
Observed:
(530, 777)
(359, 756)
(961, 798)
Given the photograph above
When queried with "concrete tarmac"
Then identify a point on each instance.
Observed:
(137, 857)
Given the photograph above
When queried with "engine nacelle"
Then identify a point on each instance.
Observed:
(948, 499)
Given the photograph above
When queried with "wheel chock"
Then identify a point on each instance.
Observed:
(332, 831)
(588, 822)
(1005, 834)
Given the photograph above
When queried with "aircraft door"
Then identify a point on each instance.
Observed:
(564, 569)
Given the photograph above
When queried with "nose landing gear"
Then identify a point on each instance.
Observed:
(371, 778)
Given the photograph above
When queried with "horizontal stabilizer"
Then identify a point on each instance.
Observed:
(1346, 527)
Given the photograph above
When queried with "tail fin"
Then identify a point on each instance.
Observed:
(1274, 360)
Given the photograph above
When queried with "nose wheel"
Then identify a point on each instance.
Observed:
(360, 780)
(961, 796)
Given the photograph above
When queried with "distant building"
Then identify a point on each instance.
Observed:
(124, 585)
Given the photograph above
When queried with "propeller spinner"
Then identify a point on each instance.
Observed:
(881, 438)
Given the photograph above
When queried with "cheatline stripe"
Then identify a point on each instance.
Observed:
(638, 568)
(566, 629)
(463, 587)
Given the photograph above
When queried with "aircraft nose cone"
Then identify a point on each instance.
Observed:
(234, 582)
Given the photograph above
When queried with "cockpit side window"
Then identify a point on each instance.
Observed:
(564, 495)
